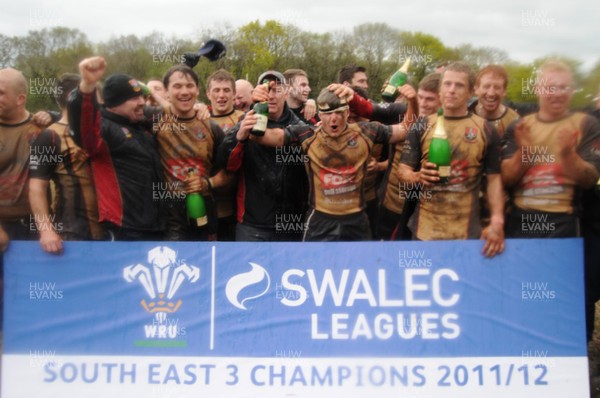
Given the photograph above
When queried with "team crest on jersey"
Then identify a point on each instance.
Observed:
(126, 132)
(352, 143)
(470, 134)
(199, 134)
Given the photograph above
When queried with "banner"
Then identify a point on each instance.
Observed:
(395, 319)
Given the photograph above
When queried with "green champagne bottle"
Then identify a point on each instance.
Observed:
(145, 89)
(398, 79)
(196, 208)
(261, 109)
(439, 149)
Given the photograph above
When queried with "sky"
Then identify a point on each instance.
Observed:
(525, 29)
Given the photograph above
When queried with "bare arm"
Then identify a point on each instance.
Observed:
(407, 174)
(84, 111)
(377, 167)
(220, 179)
(91, 71)
(204, 184)
(426, 176)
(583, 173)
(4, 240)
(494, 233)
(514, 168)
(49, 238)
(399, 133)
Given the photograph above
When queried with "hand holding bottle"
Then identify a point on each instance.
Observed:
(440, 152)
(196, 183)
(196, 208)
(407, 91)
(429, 174)
(398, 79)
(246, 125)
(261, 92)
(260, 96)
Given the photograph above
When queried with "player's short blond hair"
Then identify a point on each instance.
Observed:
(554, 65)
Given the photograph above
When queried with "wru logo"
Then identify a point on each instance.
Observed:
(162, 280)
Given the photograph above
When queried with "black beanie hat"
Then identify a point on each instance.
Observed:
(118, 88)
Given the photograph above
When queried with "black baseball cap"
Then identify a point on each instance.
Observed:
(272, 76)
(119, 88)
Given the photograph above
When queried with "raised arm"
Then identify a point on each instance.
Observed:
(272, 137)
(91, 71)
(84, 115)
(400, 130)
(387, 114)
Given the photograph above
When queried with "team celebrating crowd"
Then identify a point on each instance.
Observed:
(121, 158)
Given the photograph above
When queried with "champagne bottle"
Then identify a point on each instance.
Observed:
(261, 109)
(439, 149)
(196, 208)
(390, 93)
(145, 89)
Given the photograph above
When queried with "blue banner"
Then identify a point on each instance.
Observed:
(307, 319)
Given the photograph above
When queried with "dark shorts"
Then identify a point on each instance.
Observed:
(321, 227)
(250, 233)
(372, 212)
(538, 224)
(388, 222)
(117, 233)
(226, 229)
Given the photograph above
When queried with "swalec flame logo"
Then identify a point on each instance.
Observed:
(236, 284)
